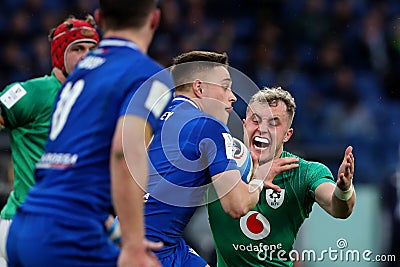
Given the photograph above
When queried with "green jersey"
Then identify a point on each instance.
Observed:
(26, 108)
(265, 235)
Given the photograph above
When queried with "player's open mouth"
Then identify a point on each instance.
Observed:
(260, 142)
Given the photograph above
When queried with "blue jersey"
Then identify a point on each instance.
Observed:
(73, 176)
(190, 148)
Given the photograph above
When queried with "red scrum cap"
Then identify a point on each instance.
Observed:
(70, 32)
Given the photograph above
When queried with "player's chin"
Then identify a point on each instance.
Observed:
(256, 151)
(263, 154)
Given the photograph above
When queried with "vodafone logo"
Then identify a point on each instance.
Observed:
(254, 225)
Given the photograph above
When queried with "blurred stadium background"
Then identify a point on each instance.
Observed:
(339, 58)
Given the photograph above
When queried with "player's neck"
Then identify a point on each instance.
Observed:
(191, 96)
(59, 75)
(279, 152)
(140, 37)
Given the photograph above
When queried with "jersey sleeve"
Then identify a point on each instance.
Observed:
(15, 107)
(149, 98)
(317, 174)
(217, 146)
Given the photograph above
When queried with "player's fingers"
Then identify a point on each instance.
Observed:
(346, 154)
(255, 160)
(288, 167)
(284, 161)
(348, 150)
(150, 245)
(154, 259)
(340, 182)
(352, 163)
(272, 186)
(346, 176)
(350, 166)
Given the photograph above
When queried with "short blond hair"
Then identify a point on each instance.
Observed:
(272, 96)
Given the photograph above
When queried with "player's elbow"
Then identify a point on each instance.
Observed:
(342, 216)
(343, 213)
(117, 154)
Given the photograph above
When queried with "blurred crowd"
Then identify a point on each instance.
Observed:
(339, 58)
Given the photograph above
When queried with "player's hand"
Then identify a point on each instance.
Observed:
(139, 256)
(346, 170)
(269, 170)
(113, 230)
(255, 159)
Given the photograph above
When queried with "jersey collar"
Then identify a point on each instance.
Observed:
(185, 99)
(118, 42)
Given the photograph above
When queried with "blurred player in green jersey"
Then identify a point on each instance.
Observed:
(265, 235)
(25, 109)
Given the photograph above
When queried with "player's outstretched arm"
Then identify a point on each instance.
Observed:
(338, 200)
(237, 198)
(129, 176)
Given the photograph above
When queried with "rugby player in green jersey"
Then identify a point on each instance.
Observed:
(26, 107)
(265, 235)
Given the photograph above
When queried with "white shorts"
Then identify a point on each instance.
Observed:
(4, 228)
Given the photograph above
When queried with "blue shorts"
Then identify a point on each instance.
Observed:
(41, 240)
(182, 256)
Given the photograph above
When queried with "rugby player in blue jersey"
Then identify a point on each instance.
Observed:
(113, 93)
(193, 149)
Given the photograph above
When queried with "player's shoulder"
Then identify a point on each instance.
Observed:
(150, 70)
(136, 58)
(286, 154)
(314, 165)
(41, 83)
(194, 120)
(305, 164)
(34, 84)
(210, 126)
(314, 168)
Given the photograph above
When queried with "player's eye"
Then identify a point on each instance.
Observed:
(255, 119)
(76, 48)
(274, 122)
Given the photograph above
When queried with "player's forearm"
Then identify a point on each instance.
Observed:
(240, 205)
(129, 176)
(128, 201)
(339, 204)
(342, 208)
(237, 197)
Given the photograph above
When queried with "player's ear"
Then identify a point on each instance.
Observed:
(98, 18)
(197, 90)
(288, 135)
(155, 19)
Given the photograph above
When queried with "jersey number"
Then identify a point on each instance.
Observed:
(67, 99)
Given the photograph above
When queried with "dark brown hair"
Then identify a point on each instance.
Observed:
(184, 73)
(121, 14)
